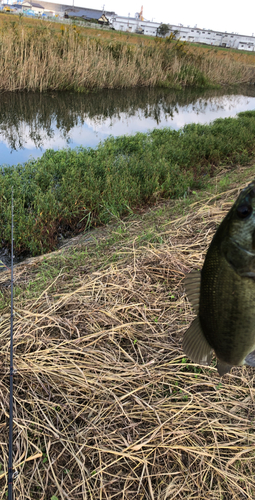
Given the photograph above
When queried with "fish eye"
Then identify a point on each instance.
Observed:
(244, 211)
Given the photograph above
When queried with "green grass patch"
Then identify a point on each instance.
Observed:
(68, 191)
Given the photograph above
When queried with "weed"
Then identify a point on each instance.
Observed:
(39, 56)
(119, 175)
(101, 386)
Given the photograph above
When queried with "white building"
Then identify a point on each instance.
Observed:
(134, 25)
(216, 38)
(185, 33)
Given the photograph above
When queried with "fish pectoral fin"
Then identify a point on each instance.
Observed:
(195, 344)
(250, 359)
(192, 286)
(223, 367)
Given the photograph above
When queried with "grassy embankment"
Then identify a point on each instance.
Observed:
(106, 406)
(66, 192)
(40, 56)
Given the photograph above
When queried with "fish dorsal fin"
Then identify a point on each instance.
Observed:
(223, 367)
(250, 359)
(192, 286)
(195, 344)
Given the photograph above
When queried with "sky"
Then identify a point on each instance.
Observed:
(218, 15)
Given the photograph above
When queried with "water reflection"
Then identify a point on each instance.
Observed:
(31, 123)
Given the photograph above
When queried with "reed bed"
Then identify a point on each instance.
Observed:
(106, 404)
(40, 58)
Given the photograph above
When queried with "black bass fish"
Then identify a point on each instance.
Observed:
(223, 293)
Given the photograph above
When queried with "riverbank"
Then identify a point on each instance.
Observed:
(106, 404)
(66, 192)
(40, 56)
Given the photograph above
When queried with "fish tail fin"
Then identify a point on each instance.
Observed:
(195, 344)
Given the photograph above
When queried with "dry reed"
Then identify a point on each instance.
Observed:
(105, 404)
(45, 58)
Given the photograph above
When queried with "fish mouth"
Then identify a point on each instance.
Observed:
(247, 252)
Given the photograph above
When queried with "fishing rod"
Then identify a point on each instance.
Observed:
(10, 469)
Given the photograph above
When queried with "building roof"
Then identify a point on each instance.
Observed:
(127, 18)
(90, 13)
(86, 13)
(188, 29)
(32, 4)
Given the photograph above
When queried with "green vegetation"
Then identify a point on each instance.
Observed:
(68, 191)
(41, 57)
(106, 403)
(163, 29)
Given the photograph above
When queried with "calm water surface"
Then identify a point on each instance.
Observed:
(30, 123)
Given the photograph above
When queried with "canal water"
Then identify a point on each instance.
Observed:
(30, 123)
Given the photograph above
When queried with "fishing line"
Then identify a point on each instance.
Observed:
(10, 469)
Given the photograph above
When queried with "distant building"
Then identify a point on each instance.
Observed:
(89, 14)
(52, 8)
(36, 8)
(215, 38)
(69, 11)
(187, 34)
(134, 25)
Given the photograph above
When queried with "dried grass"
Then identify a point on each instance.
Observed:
(41, 56)
(105, 405)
